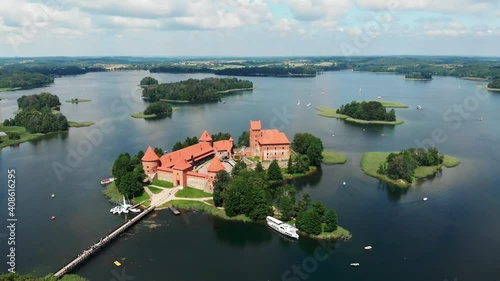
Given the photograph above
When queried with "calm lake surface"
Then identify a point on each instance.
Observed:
(455, 234)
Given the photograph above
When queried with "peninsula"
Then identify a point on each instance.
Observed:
(156, 110)
(423, 76)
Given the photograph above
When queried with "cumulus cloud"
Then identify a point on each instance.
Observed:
(449, 6)
(322, 13)
(449, 29)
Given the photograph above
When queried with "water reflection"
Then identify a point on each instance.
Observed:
(394, 193)
(309, 181)
(240, 234)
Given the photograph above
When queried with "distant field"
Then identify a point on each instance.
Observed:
(80, 124)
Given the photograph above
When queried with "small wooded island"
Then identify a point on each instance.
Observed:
(424, 76)
(402, 168)
(155, 110)
(227, 179)
(194, 90)
(77, 100)
(365, 112)
(37, 115)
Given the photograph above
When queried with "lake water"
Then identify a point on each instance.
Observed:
(455, 234)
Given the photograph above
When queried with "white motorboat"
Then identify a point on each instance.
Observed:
(379, 97)
(354, 264)
(282, 227)
(368, 248)
(425, 199)
(419, 107)
(309, 104)
(298, 103)
(106, 181)
(134, 210)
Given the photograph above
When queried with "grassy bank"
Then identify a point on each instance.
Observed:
(202, 207)
(144, 197)
(287, 176)
(189, 192)
(417, 79)
(112, 193)
(10, 89)
(474, 78)
(332, 157)
(485, 87)
(155, 190)
(339, 234)
(390, 104)
(331, 113)
(77, 101)
(24, 135)
(371, 161)
(175, 101)
(80, 124)
(235, 90)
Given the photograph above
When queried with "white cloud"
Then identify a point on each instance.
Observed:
(134, 22)
(449, 29)
(448, 6)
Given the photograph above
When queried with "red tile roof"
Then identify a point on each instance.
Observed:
(223, 145)
(150, 155)
(182, 165)
(270, 137)
(205, 136)
(197, 151)
(255, 125)
(215, 166)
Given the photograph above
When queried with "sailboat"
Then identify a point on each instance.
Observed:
(309, 104)
(298, 103)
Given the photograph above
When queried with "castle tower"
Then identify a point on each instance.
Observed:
(150, 161)
(255, 130)
(205, 137)
(214, 167)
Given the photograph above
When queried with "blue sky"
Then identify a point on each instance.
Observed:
(249, 27)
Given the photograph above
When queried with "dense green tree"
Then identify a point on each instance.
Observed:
(23, 80)
(319, 208)
(419, 75)
(370, 111)
(401, 167)
(309, 222)
(274, 70)
(495, 84)
(187, 142)
(244, 139)
(222, 180)
(285, 205)
(130, 184)
(38, 102)
(194, 90)
(221, 136)
(303, 204)
(13, 135)
(240, 165)
(147, 81)
(307, 144)
(331, 222)
(158, 151)
(259, 168)
(159, 109)
(121, 166)
(274, 171)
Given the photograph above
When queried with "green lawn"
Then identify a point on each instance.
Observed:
(80, 124)
(331, 113)
(142, 115)
(371, 161)
(391, 104)
(155, 190)
(144, 196)
(332, 157)
(211, 201)
(25, 136)
(9, 89)
(338, 234)
(189, 192)
(200, 206)
(161, 183)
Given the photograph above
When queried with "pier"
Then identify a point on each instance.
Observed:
(173, 210)
(99, 245)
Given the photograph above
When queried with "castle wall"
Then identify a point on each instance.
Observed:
(165, 176)
(196, 181)
(275, 152)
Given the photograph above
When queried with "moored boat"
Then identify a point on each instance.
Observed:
(106, 181)
(282, 227)
(354, 264)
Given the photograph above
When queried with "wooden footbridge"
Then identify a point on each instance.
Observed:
(99, 245)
